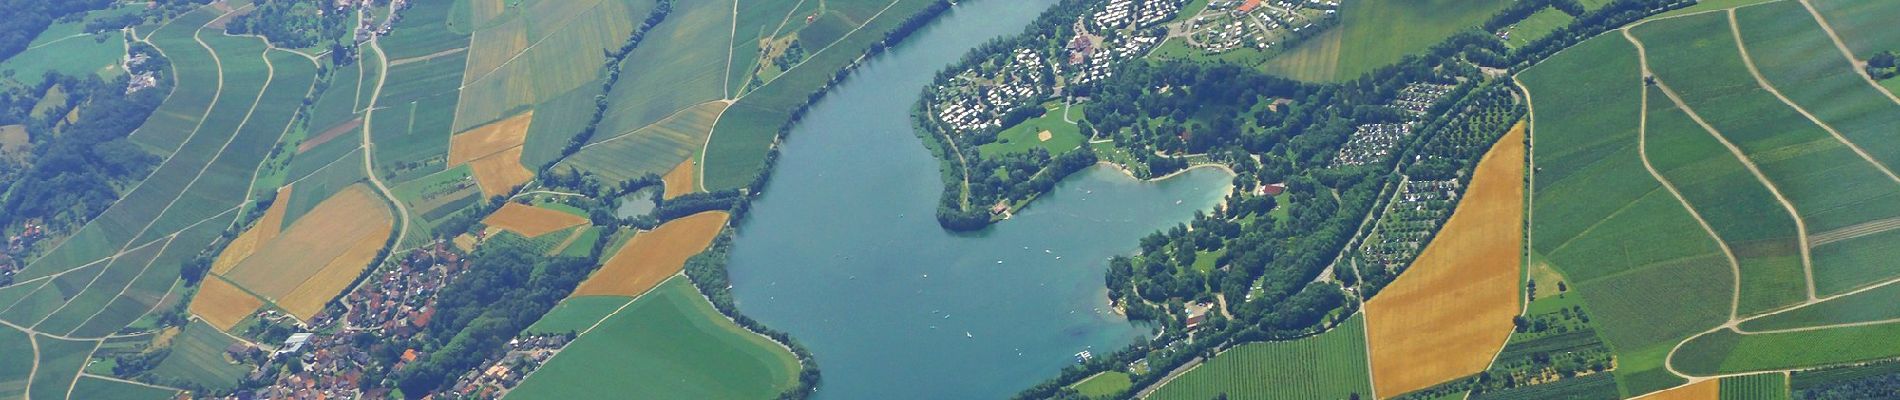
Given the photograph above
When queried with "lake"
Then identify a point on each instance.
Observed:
(843, 250)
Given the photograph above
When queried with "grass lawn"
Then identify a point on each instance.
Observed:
(1104, 385)
(1063, 136)
(670, 343)
(1330, 365)
(1537, 26)
(577, 313)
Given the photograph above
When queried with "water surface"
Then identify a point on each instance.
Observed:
(844, 253)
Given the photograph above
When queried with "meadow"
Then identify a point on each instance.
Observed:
(1104, 385)
(670, 343)
(197, 356)
(652, 149)
(1538, 25)
(1742, 212)
(577, 313)
(1463, 288)
(654, 256)
(1063, 136)
(1770, 386)
(1602, 220)
(74, 56)
(1329, 365)
(1726, 352)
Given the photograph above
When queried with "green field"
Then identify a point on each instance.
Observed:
(14, 370)
(1376, 33)
(318, 186)
(417, 108)
(1830, 186)
(426, 28)
(1769, 386)
(682, 57)
(1743, 213)
(118, 274)
(1537, 26)
(168, 127)
(1866, 26)
(59, 364)
(1331, 365)
(565, 39)
(153, 286)
(1601, 219)
(76, 56)
(577, 313)
(669, 344)
(1725, 351)
(1064, 136)
(91, 388)
(1104, 385)
(197, 356)
(1872, 305)
(1799, 59)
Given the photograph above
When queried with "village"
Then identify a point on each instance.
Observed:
(979, 98)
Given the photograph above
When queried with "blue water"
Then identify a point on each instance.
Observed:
(844, 253)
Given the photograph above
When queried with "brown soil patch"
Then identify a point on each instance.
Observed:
(303, 254)
(650, 257)
(499, 173)
(1044, 136)
(223, 305)
(679, 181)
(329, 134)
(1710, 389)
(264, 231)
(1450, 313)
(531, 221)
(489, 139)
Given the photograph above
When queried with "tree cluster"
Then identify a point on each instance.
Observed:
(508, 286)
(74, 175)
(293, 24)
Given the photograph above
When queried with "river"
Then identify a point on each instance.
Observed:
(843, 250)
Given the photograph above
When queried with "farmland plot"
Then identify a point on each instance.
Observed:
(1866, 26)
(1742, 212)
(668, 344)
(1330, 365)
(197, 356)
(653, 149)
(196, 85)
(317, 256)
(652, 257)
(1624, 242)
(1755, 387)
(552, 47)
(1726, 351)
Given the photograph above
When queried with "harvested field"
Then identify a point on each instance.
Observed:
(264, 231)
(651, 149)
(223, 305)
(1704, 390)
(531, 221)
(679, 181)
(328, 234)
(489, 139)
(1450, 312)
(14, 142)
(500, 172)
(651, 257)
(309, 297)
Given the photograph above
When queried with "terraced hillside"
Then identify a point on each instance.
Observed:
(1717, 184)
